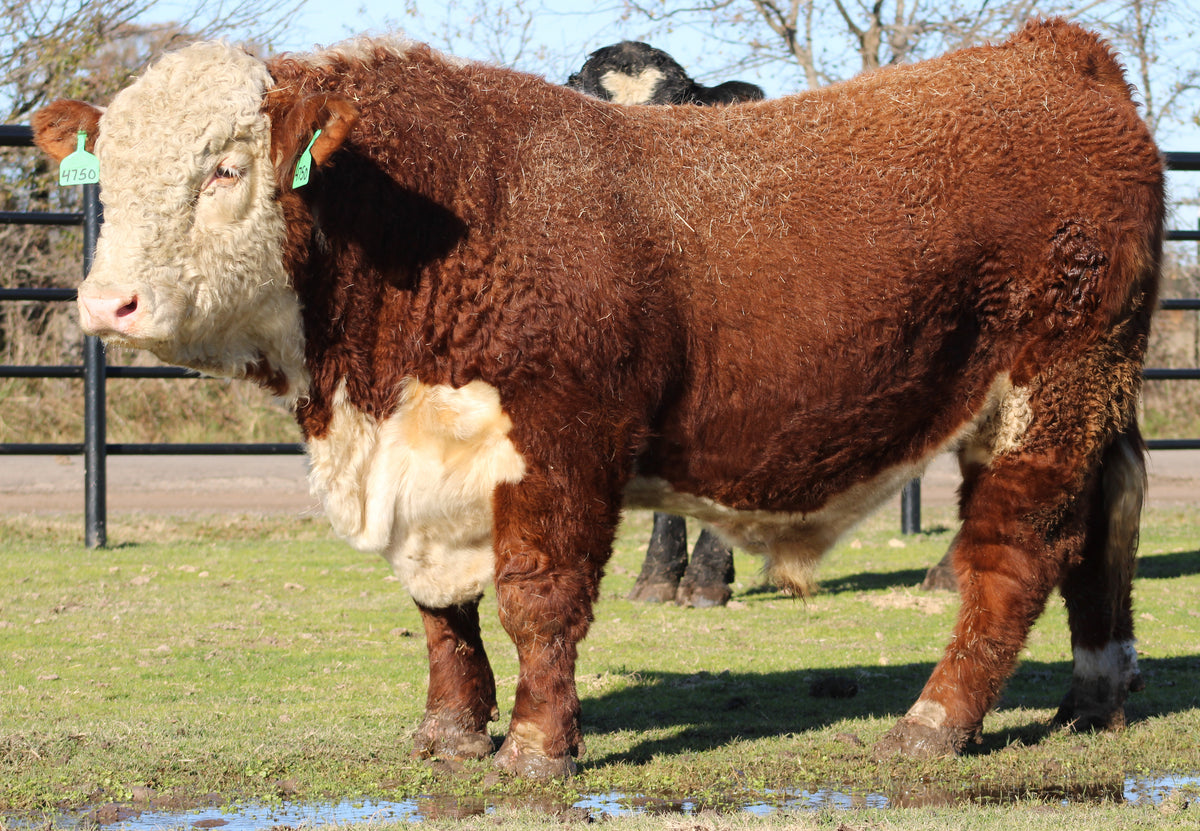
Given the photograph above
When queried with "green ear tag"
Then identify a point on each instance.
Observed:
(304, 166)
(80, 167)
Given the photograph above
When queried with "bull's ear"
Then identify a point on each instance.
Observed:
(55, 126)
(294, 123)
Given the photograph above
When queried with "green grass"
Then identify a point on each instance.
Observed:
(258, 659)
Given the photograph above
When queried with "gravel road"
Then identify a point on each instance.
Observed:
(278, 484)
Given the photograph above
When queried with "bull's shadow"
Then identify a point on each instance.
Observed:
(1165, 566)
(871, 581)
(1155, 567)
(707, 710)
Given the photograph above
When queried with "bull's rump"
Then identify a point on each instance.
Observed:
(857, 271)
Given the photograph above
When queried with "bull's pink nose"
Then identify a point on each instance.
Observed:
(108, 313)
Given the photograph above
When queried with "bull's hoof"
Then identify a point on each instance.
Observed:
(702, 596)
(918, 740)
(442, 738)
(527, 764)
(1081, 716)
(653, 592)
(1098, 703)
(940, 578)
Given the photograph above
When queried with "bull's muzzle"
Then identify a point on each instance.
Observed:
(106, 312)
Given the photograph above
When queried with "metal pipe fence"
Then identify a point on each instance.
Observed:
(95, 372)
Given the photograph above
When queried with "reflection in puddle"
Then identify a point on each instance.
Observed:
(1142, 790)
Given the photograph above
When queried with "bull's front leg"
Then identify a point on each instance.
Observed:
(462, 692)
(549, 563)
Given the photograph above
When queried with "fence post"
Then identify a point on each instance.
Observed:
(95, 436)
(910, 507)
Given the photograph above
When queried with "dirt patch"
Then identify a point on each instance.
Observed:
(160, 484)
(925, 603)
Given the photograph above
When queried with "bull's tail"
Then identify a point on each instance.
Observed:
(1123, 485)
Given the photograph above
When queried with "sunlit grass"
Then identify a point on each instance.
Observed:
(259, 658)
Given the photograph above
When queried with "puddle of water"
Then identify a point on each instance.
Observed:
(1137, 790)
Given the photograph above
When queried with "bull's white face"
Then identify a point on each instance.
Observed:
(189, 260)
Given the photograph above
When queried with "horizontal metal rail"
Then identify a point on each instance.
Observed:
(1185, 160)
(1173, 444)
(1155, 374)
(157, 449)
(95, 449)
(38, 294)
(16, 135)
(1184, 304)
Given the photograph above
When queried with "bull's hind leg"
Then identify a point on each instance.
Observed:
(1026, 512)
(462, 692)
(1097, 591)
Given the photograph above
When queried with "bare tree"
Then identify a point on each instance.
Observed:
(52, 48)
(499, 32)
(831, 41)
(1160, 42)
(80, 49)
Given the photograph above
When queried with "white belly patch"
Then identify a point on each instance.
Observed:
(793, 543)
(417, 486)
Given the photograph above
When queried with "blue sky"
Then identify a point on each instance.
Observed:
(569, 30)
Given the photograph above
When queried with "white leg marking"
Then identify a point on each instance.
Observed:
(1115, 663)
(929, 713)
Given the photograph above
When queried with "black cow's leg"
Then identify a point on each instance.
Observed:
(462, 693)
(1097, 592)
(666, 559)
(706, 581)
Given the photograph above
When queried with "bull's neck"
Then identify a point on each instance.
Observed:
(387, 240)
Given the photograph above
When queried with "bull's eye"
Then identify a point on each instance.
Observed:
(225, 175)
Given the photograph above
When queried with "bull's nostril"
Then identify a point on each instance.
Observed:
(128, 309)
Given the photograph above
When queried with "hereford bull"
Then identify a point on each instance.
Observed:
(501, 309)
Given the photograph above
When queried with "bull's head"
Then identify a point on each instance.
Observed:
(189, 264)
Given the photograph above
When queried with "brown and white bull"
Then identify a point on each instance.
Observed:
(502, 310)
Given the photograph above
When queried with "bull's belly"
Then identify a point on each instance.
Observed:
(791, 542)
(765, 532)
(417, 488)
